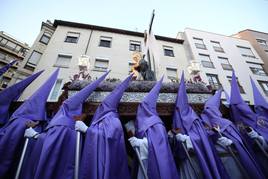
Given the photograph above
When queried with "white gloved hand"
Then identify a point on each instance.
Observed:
(170, 134)
(30, 133)
(254, 135)
(141, 144)
(81, 126)
(185, 138)
(130, 126)
(224, 141)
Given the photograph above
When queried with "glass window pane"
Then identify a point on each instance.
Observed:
(56, 90)
(34, 58)
(63, 61)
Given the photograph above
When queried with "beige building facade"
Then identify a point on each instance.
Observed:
(107, 48)
(11, 49)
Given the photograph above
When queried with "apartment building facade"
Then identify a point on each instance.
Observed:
(32, 58)
(107, 48)
(217, 55)
(259, 40)
(11, 49)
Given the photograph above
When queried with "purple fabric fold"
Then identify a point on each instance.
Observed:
(104, 154)
(12, 94)
(56, 148)
(260, 104)
(212, 116)
(11, 135)
(242, 114)
(161, 163)
(187, 120)
(6, 67)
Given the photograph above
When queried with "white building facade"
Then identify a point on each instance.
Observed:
(217, 55)
(107, 48)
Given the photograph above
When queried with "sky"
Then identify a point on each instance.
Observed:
(22, 18)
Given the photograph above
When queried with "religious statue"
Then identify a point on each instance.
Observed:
(83, 65)
(141, 68)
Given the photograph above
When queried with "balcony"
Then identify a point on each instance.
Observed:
(207, 64)
(201, 46)
(227, 67)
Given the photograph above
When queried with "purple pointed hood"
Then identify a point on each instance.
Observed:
(6, 67)
(110, 103)
(73, 106)
(34, 107)
(13, 93)
(236, 97)
(211, 113)
(184, 115)
(147, 110)
(260, 104)
(241, 113)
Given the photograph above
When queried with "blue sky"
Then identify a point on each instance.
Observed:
(22, 18)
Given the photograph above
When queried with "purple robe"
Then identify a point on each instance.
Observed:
(260, 105)
(104, 154)
(161, 163)
(189, 123)
(12, 134)
(243, 115)
(56, 148)
(212, 116)
(12, 94)
(6, 67)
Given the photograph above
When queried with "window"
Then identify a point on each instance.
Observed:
(172, 74)
(63, 61)
(213, 81)
(56, 90)
(225, 63)
(2, 55)
(246, 52)
(3, 42)
(264, 86)
(18, 48)
(101, 64)
(205, 60)
(262, 42)
(72, 37)
(34, 58)
(10, 45)
(168, 51)
(257, 69)
(105, 42)
(240, 87)
(45, 38)
(217, 46)
(135, 46)
(199, 43)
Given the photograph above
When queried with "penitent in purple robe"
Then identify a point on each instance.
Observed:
(6, 67)
(243, 115)
(213, 117)
(12, 94)
(260, 104)
(187, 120)
(104, 154)
(148, 124)
(56, 147)
(12, 134)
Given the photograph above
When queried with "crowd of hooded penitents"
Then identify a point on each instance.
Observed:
(198, 146)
